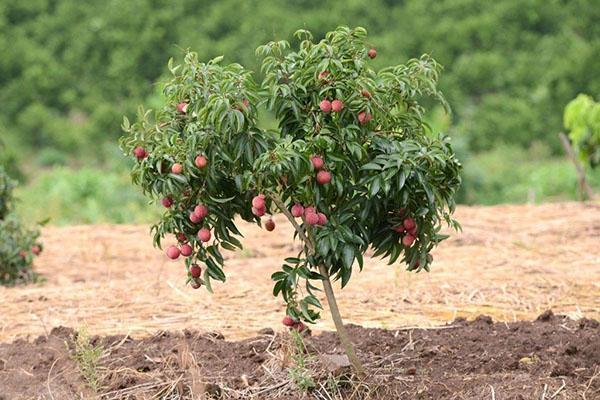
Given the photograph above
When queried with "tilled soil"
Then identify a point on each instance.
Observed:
(553, 357)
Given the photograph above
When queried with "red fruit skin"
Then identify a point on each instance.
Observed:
(323, 74)
(309, 210)
(204, 235)
(409, 224)
(167, 202)
(408, 240)
(37, 250)
(181, 238)
(372, 53)
(288, 321)
(399, 229)
(177, 168)
(182, 107)
(270, 225)
(364, 117)
(317, 162)
(300, 327)
(195, 271)
(322, 219)
(173, 252)
(311, 218)
(259, 212)
(201, 211)
(201, 162)
(195, 218)
(366, 93)
(23, 254)
(413, 231)
(325, 106)
(258, 202)
(297, 210)
(140, 153)
(337, 106)
(186, 250)
(323, 177)
(196, 285)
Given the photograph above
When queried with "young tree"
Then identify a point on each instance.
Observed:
(352, 164)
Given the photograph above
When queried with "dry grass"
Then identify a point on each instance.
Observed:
(511, 262)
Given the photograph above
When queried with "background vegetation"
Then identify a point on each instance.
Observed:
(71, 69)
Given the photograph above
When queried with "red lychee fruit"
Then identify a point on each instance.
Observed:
(182, 107)
(322, 218)
(258, 202)
(317, 162)
(270, 225)
(201, 162)
(297, 210)
(177, 168)
(23, 254)
(311, 218)
(201, 211)
(408, 240)
(323, 74)
(409, 224)
(140, 153)
(259, 212)
(186, 250)
(366, 93)
(372, 53)
(35, 249)
(196, 285)
(173, 252)
(195, 271)
(364, 117)
(181, 238)
(309, 210)
(399, 229)
(167, 202)
(325, 106)
(288, 321)
(323, 177)
(195, 218)
(204, 235)
(337, 106)
(300, 327)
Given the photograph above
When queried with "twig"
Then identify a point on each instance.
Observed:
(493, 392)
(559, 389)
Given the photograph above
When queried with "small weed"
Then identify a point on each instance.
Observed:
(87, 357)
(298, 372)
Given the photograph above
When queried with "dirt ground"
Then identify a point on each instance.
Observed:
(551, 358)
(510, 262)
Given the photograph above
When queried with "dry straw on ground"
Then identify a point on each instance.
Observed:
(510, 262)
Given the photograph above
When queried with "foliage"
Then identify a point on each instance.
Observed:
(87, 356)
(18, 244)
(582, 118)
(383, 172)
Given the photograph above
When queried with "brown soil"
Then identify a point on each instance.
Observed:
(553, 357)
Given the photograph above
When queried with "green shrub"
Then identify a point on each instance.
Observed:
(582, 118)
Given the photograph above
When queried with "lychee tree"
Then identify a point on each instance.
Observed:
(352, 164)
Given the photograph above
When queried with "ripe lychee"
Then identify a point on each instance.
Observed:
(366, 93)
(140, 153)
(311, 218)
(325, 106)
(35, 249)
(364, 117)
(323, 177)
(399, 229)
(201, 211)
(196, 285)
(409, 223)
(182, 107)
(372, 53)
(337, 106)
(288, 321)
(204, 235)
(317, 162)
(195, 271)
(258, 202)
(201, 162)
(322, 219)
(323, 74)
(177, 168)
(181, 238)
(186, 250)
(297, 210)
(408, 240)
(309, 210)
(173, 252)
(270, 225)
(167, 202)
(259, 212)
(195, 218)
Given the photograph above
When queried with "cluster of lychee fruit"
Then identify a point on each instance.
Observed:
(323, 176)
(36, 250)
(408, 229)
(293, 323)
